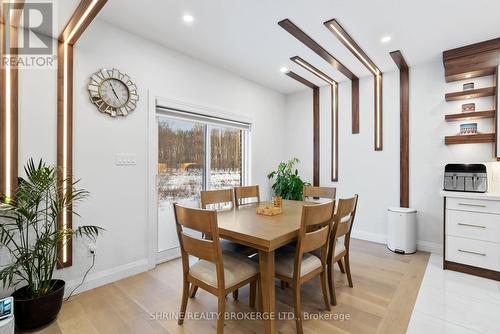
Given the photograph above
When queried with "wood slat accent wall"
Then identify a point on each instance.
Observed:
(404, 137)
(301, 36)
(316, 125)
(83, 15)
(9, 86)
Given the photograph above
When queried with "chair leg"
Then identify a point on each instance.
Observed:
(298, 312)
(348, 269)
(253, 292)
(192, 293)
(331, 285)
(325, 291)
(235, 294)
(221, 314)
(259, 295)
(184, 301)
(341, 267)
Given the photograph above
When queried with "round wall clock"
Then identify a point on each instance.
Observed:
(113, 92)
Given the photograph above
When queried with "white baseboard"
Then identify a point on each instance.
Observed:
(107, 276)
(167, 255)
(425, 246)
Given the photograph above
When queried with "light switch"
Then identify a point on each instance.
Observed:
(125, 159)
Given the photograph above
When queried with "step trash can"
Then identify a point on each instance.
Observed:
(402, 230)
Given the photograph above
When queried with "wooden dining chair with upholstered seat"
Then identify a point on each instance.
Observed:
(296, 265)
(216, 199)
(216, 272)
(309, 193)
(340, 238)
(243, 193)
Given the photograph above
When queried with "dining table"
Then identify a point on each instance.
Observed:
(266, 234)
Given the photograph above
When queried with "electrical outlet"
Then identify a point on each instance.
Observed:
(92, 248)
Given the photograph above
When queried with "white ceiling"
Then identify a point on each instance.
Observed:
(243, 37)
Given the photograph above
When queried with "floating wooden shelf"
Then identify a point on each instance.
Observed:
(470, 139)
(451, 77)
(472, 93)
(470, 115)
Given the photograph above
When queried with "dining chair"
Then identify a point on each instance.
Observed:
(215, 272)
(338, 249)
(311, 192)
(215, 199)
(246, 192)
(296, 265)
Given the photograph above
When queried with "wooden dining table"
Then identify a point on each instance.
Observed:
(265, 233)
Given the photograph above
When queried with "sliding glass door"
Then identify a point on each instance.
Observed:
(195, 153)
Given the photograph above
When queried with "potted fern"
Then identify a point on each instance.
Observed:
(28, 231)
(288, 183)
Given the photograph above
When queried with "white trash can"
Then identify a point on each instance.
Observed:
(402, 230)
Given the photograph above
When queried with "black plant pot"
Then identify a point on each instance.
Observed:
(31, 313)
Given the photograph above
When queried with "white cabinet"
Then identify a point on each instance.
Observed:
(472, 234)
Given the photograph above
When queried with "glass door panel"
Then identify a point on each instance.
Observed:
(225, 157)
(181, 172)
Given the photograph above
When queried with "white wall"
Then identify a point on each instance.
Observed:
(119, 194)
(375, 175)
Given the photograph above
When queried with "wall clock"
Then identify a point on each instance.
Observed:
(113, 92)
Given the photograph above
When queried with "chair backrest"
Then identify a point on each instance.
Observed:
(342, 224)
(344, 217)
(204, 221)
(310, 192)
(216, 197)
(241, 193)
(314, 230)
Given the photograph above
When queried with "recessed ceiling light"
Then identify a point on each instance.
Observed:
(386, 39)
(284, 69)
(188, 18)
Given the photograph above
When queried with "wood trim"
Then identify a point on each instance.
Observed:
(470, 94)
(300, 79)
(316, 135)
(404, 125)
(334, 113)
(80, 11)
(470, 115)
(83, 15)
(335, 132)
(378, 113)
(351, 44)
(346, 39)
(9, 103)
(470, 139)
(316, 126)
(468, 50)
(355, 105)
(461, 75)
(299, 34)
(476, 271)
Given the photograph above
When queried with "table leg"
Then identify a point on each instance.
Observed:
(266, 261)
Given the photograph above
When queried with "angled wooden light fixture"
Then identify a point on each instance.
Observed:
(404, 133)
(347, 40)
(300, 35)
(10, 14)
(316, 130)
(334, 112)
(86, 11)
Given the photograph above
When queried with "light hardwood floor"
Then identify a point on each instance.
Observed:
(385, 289)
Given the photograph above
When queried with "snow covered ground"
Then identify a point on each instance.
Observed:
(183, 187)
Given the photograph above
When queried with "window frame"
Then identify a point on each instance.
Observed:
(209, 122)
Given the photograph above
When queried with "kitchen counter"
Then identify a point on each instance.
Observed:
(459, 194)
